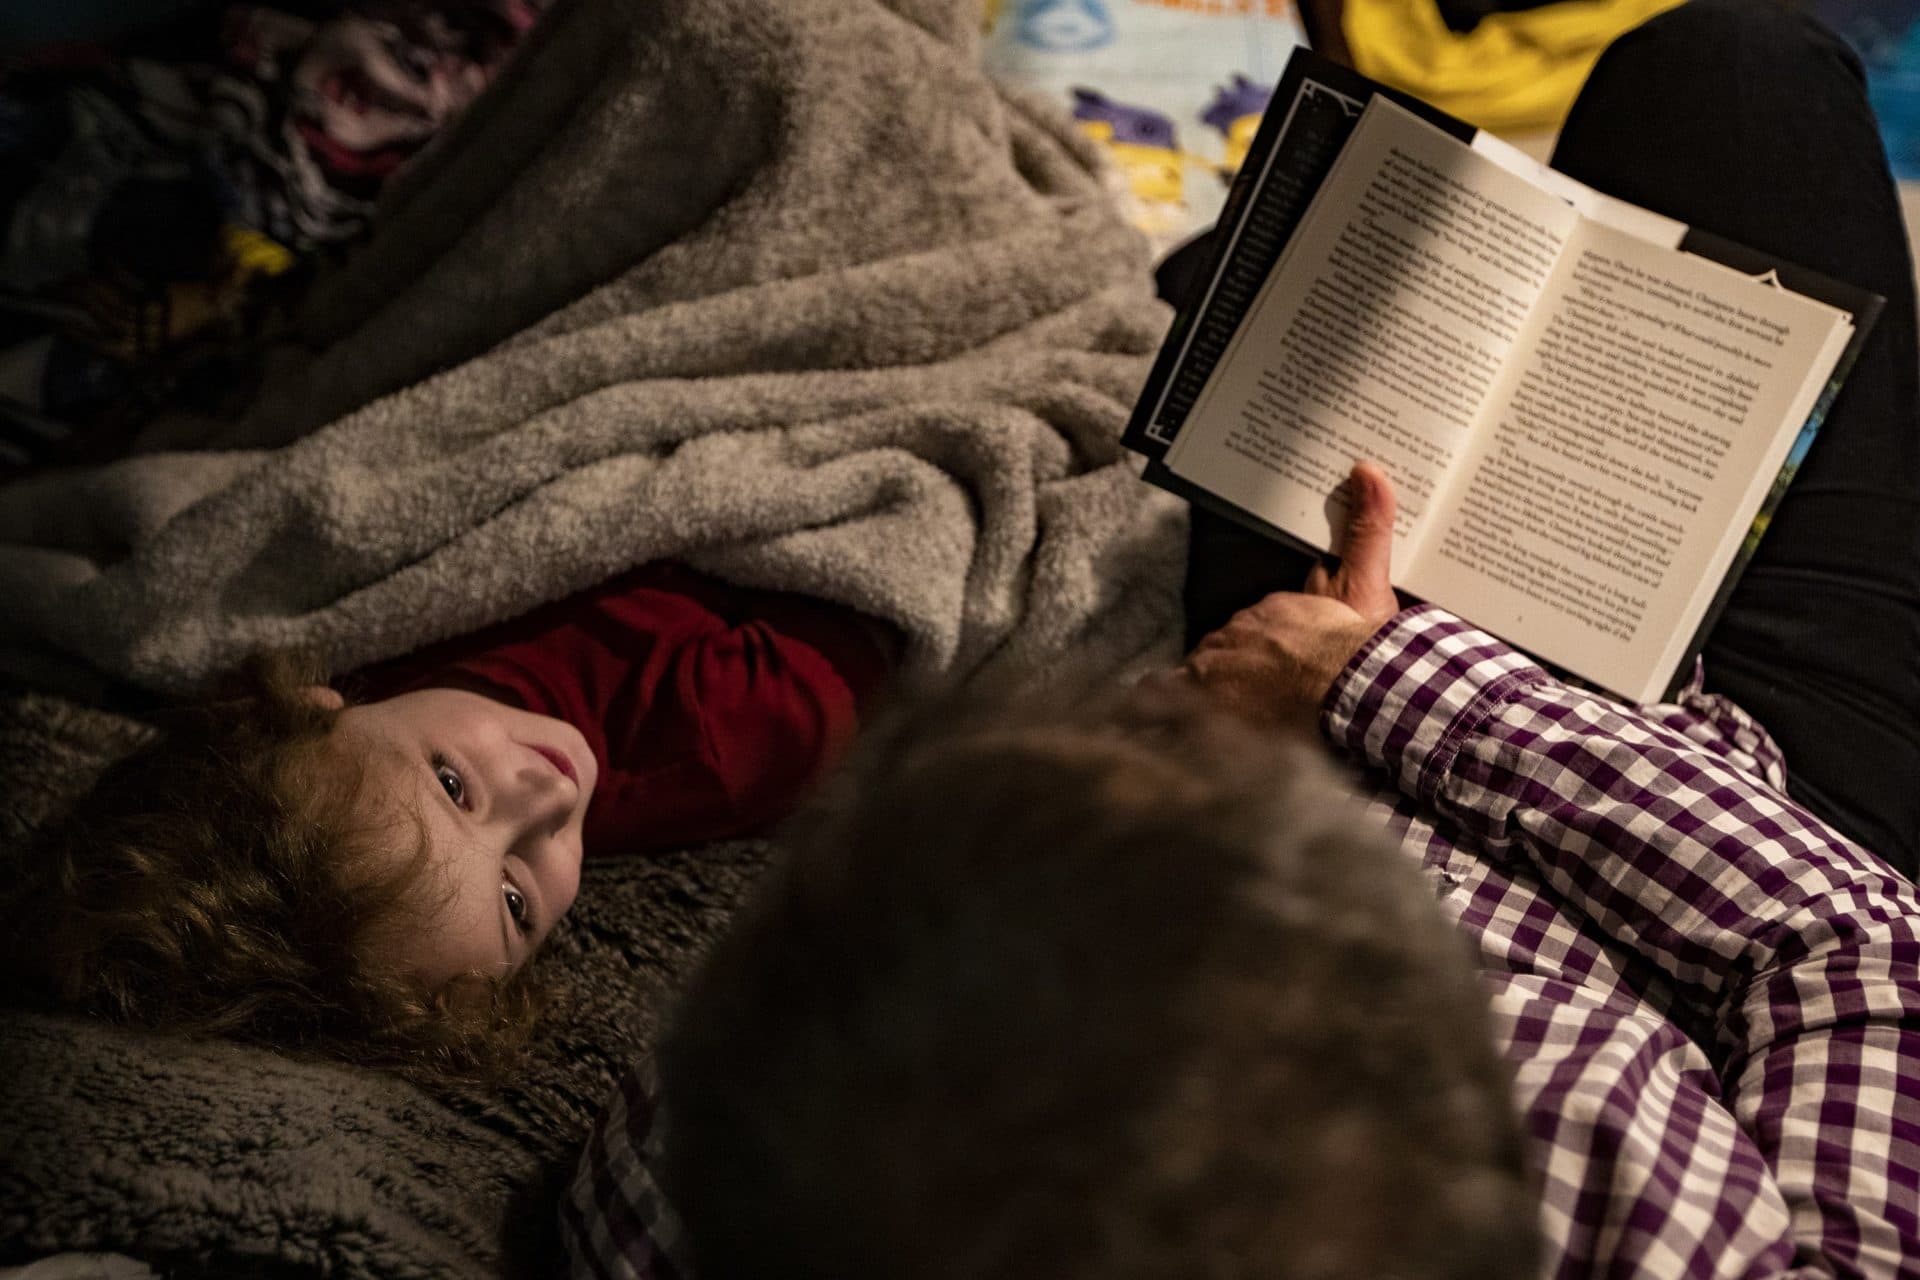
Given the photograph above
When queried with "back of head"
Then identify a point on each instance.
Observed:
(1120, 993)
(223, 880)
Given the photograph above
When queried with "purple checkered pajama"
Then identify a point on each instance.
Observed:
(1709, 999)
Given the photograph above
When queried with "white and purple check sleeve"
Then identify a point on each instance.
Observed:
(614, 1221)
(1711, 999)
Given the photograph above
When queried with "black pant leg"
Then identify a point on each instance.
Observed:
(1750, 121)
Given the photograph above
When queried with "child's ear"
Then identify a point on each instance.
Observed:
(327, 699)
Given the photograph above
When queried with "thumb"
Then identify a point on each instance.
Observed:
(1365, 580)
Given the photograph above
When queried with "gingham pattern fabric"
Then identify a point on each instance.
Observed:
(613, 1219)
(1710, 1000)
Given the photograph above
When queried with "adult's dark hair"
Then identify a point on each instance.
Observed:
(228, 879)
(1122, 993)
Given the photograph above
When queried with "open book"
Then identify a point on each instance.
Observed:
(1586, 409)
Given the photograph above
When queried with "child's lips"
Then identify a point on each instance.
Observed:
(561, 762)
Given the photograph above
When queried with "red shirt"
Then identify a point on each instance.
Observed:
(710, 708)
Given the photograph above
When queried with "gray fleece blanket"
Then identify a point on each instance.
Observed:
(780, 288)
(870, 334)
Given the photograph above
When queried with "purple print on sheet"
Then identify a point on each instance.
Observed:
(1235, 111)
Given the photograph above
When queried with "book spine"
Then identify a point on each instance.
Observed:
(1314, 110)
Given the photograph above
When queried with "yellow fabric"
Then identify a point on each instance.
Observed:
(1511, 73)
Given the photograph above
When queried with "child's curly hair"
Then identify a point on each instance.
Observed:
(223, 880)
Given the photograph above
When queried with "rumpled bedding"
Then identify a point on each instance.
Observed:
(164, 196)
(870, 331)
(1170, 90)
(872, 339)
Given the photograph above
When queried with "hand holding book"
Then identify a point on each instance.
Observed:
(1588, 409)
(1274, 662)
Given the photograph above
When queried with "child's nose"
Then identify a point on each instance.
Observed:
(546, 796)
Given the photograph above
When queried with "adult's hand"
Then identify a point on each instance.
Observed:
(1273, 663)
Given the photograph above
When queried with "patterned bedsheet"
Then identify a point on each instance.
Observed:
(1172, 88)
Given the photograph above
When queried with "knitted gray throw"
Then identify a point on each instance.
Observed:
(779, 288)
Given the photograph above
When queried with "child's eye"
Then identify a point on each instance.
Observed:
(517, 906)
(450, 781)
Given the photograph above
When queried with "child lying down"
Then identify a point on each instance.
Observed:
(362, 871)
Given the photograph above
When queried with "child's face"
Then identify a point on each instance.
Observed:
(501, 795)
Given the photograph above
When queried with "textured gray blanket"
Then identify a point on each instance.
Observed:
(781, 288)
(883, 359)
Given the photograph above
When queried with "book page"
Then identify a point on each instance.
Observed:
(1598, 206)
(1380, 334)
(1655, 402)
